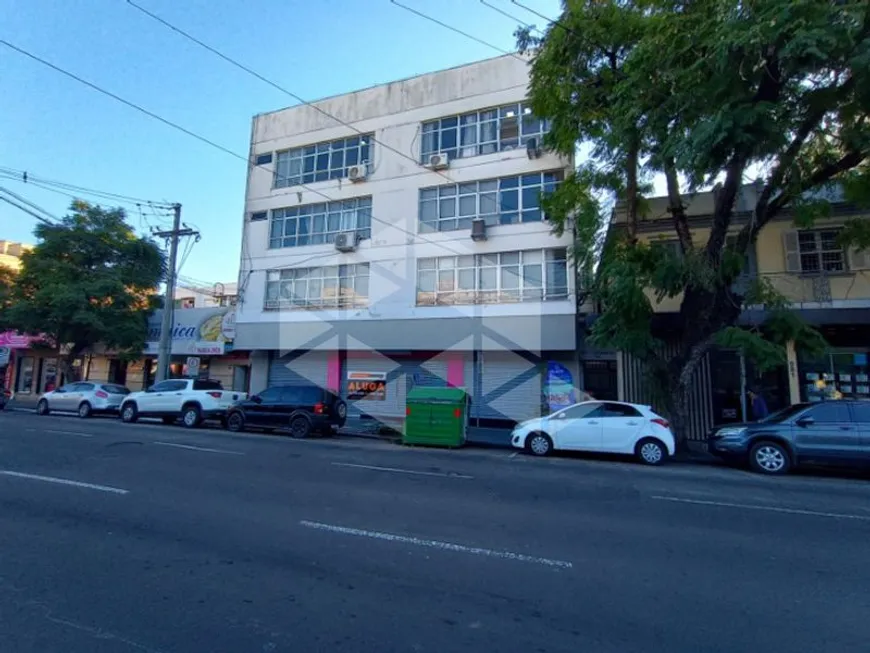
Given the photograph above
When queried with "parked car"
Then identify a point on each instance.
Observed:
(84, 397)
(192, 400)
(828, 433)
(599, 426)
(303, 409)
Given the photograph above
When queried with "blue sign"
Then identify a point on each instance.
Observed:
(559, 386)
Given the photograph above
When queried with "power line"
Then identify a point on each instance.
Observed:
(27, 210)
(457, 30)
(30, 204)
(203, 139)
(26, 176)
(540, 15)
(278, 87)
(511, 16)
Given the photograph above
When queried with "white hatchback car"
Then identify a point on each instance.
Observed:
(85, 398)
(599, 426)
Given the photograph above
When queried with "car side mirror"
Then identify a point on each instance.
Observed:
(805, 421)
(257, 399)
(150, 389)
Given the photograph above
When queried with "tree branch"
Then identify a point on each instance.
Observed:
(819, 177)
(675, 205)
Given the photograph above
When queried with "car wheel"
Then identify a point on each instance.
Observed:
(129, 413)
(650, 451)
(300, 427)
(42, 407)
(769, 458)
(85, 410)
(191, 417)
(169, 421)
(539, 444)
(235, 422)
(341, 410)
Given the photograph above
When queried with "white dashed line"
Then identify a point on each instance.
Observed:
(436, 544)
(79, 433)
(396, 470)
(746, 506)
(206, 449)
(65, 481)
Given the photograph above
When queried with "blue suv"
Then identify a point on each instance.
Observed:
(827, 433)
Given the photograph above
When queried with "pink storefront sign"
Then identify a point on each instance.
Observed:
(15, 340)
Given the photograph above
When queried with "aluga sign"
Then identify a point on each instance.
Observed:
(199, 331)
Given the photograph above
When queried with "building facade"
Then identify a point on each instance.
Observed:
(394, 237)
(220, 294)
(826, 284)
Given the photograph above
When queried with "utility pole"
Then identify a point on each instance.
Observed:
(165, 349)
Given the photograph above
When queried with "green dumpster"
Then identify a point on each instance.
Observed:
(436, 416)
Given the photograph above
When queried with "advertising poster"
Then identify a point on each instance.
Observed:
(366, 386)
(559, 387)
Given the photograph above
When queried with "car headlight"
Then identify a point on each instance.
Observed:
(728, 432)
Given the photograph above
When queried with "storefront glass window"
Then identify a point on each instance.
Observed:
(25, 375)
(841, 374)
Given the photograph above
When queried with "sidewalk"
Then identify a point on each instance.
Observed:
(24, 403)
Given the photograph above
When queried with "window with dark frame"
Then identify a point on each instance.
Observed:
(322, 161)
(820, 251)
(490, 130)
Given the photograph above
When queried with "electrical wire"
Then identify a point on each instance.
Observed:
(546, 18)
(27, 210)
(511, 16)
(184, 130)
(33, 206)
(456, 30)
(26, 176)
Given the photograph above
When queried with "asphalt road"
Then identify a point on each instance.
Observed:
(143, 538)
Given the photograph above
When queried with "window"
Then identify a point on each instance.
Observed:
(302, 395)
(322, 161)
(264, 159)
(316, 224)
(482, 132)
(113, 389)
(168, 386)
(84, 387)
(506, 277)
(207, 385)
(619, 410)
(581, 411)
(820, 251)
(509, 200)
(335, 286)
(271, 395)
(829, 412)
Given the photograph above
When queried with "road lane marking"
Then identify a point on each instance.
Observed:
(436, 544)
(403, 471)
(190, 446)
(746, 506)
(65, 481)
(79, 433)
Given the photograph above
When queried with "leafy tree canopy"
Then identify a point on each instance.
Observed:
(700, 92)
(90, 279)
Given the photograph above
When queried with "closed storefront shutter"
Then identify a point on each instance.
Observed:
(307, 369)
(393, 405)
(508, 388)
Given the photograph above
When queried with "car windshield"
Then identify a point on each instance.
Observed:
(784, 414)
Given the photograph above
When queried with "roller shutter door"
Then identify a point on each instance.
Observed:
(293, 369)
(393, 406)
(508, 387)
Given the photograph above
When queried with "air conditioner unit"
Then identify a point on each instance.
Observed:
(438, 161)
(478, 229)
(533, 148)
(358, 172)
(346, 241)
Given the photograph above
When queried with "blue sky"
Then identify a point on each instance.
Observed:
(59, 129)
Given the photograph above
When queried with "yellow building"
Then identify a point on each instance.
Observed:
(10, 254)
(827, 285)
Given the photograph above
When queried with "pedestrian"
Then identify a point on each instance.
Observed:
(759, 405)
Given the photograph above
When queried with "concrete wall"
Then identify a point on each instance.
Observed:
(394, 113)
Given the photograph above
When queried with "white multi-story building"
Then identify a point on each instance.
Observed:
(394, 237)
(193, 296)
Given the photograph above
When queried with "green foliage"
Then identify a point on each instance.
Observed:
(89, 280)
(7, 280)
(702, 91)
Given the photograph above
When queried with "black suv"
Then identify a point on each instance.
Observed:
(303, 409)
(828, 433)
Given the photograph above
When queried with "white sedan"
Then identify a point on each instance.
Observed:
(599, 426)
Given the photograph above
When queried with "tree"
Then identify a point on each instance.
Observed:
(7, 279)
(90, 279)
(695, 93)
